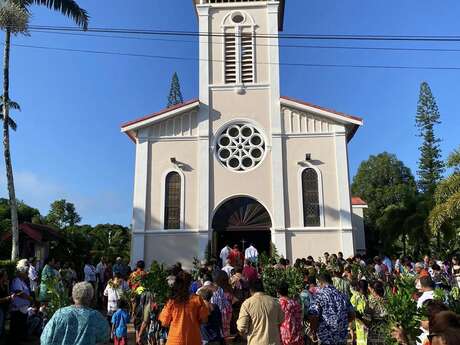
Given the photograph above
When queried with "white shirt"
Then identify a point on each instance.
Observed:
(251, 253)
(227, 269)
(90, 273)
(427, 295)
(100, 269)
(33, 278)
(114, 295)
(224, 254)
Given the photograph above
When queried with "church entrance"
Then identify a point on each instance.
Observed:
(241, 221)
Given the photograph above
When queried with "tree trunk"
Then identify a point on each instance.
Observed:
(6, 148)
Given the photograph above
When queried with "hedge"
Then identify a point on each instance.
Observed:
(9, 266)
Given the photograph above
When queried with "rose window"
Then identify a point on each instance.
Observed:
(240, 147)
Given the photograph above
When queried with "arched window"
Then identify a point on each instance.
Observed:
(310, 195)
(172, 201)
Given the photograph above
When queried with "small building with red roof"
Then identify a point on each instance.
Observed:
(242, 164)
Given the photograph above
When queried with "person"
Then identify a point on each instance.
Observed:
(330, 313)
(223, 298)
(224, 253)
(77, 324)
(49, 273)
(249, 271)
(236, 257)
(120, 267)
(445, 329)
(120, 320)
(341, 284)
(33, 275)
(260, 317)
(456, 270)
(359, 301)
(432, 307)
(90, 272)
(228, 268)
(5, 300)
(326, 257)
(135, 278)
(100, 277)
(20, 302)
(375, 315)
(251, 253)
(291, 327)
(184, 313)
(211, 331)
(114, 291)
(427, 289)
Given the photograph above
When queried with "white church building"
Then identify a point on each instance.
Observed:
(242, 163)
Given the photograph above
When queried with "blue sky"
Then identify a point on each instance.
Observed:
(68, 143)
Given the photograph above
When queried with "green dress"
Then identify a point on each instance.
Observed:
(359, 302)
(48, 273)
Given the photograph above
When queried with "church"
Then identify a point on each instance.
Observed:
(241, 163)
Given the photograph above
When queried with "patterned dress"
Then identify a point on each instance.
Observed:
(359, 302)
(291, 328)
(224, 302)
(376, 315)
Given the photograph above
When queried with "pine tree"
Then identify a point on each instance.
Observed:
(430, 165)
(175, 95)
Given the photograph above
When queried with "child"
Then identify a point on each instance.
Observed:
(120, 320)
(211, 332)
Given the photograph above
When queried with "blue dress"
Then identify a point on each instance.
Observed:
(75, 326)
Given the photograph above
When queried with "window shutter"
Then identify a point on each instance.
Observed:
(247, 63)
(230, 57)
(310, 193)
(172, 201)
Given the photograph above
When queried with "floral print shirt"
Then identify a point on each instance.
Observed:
(291, 328)
(332, 309)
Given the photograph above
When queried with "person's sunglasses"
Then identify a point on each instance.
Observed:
(431, 336)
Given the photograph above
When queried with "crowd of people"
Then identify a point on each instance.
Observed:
(224, 302)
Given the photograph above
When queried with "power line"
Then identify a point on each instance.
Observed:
(422, 38)
(258, 44)
(179, 58)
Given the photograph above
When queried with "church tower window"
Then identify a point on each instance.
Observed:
(239, 50)
(310, 195)
(172, 201)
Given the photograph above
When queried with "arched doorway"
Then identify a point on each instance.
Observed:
(241, 220)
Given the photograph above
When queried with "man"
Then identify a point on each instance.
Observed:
(326, 257)
(224, 255)
(100, 277)
(330, 314)
(260, 317)
(251, 254)
(427, 289)
(33, 275)
(420, 272)
(249, 271)
(120, 267)
(228, 268)
(236, 257)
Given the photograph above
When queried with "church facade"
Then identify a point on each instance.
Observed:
(242, 163)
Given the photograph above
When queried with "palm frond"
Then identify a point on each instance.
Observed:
(68, 8)
(14, 17)
(447, 187)
(443, 213)
(11, 122)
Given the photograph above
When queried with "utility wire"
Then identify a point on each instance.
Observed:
(258, 44)
(422, 38)
(179, 58)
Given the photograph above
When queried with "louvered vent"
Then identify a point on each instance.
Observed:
(247, 65)
(230, 58)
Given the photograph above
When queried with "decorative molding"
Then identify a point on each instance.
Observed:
(315, 229)
(302, 135)
(171, 232)
(182, 197)
(231, 87)
(169, 138)
(308, 165)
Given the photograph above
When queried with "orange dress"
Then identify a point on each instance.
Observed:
(184, 321)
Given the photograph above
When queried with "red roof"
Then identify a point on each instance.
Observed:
(161, 112)
(357, 201)
(322, 108)
(37, 232)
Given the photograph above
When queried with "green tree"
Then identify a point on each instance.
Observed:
(62, 214)
(430, 165)
(445, 216)
(175, 95)
(111, 241)
(14, 18)
(389, 188)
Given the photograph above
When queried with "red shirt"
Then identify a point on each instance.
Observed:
(236, 258)
(250, 273)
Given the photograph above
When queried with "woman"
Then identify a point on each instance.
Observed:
(223, 298)
(183, 313)
(211, 331)
(359, 301)
(291, 327)
(21, 301)
(445, 329)
(456, 271)
(77, 324)
(48, 274)
(114, 290)
(375, 315)
(5, 299)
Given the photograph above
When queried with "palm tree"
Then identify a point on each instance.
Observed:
(14, 16)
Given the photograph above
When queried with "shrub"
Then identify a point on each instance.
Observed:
(9, 266)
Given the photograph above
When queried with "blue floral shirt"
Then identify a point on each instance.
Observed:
(332, 308)
(75, 326)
